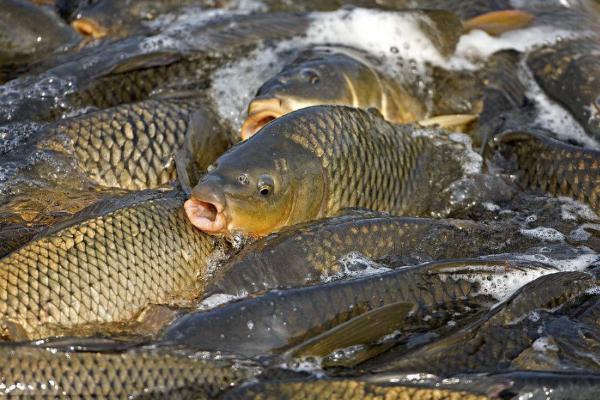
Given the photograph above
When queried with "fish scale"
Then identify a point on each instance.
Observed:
(347, 390)
(368, 152)
(36, 372)
(83, 273)
(558, 168)
(500, 336)
(281, 319)
(126, 146)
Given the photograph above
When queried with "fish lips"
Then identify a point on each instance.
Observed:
(261, 111)
(206, 210)
(89, 27)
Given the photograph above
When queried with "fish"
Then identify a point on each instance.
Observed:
(286, 320)
(28, 33)
(308, 253)
(105, 265)
(38, 371)
(498, 338)
(326, 75)
(520, 384)
(133, 146)
(313, 162)
(347, 389)
(551, 385)
(553, 166)
(330, 75)
(567, 71)
(132, 69)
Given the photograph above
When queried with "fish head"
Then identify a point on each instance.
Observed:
(114, 17)
(319, 76)
(258, 187)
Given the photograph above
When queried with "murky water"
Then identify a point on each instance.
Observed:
(480, 281)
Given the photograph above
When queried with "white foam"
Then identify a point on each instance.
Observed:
(552, 116)
(218, 299)
(472, 161)
(544, 344)
(543, 233)
(490, 206)
(234, 85)
(478, 45)
(580, 234)
(502, 284)
(355, 265)
(571, 210)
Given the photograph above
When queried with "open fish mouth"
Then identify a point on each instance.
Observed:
(261, 111)
(89, 27)
(208, 216)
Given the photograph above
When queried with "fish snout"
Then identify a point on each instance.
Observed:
(261, 111)
(89, 27)
(206, 207)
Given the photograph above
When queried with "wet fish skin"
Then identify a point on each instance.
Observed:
(35, 372)
(103, 266)
(331, 75)
(497, 338)
(313, 162)
(567, 71)
(27, 32)
(552, 385)
(278, 320)
(129, 83)
(557, 168)
(303, 254)
(132, 146)
(346, 389)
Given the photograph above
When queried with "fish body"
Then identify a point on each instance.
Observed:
(555, 167)
(307, 253)
(133, 146)
(500, 337)
(347, 389)
(568, 72)
(316, 161)
(28, 31)
(104, 265)
(335, 76)
(327, 75)
(36, 372)
(279, 320)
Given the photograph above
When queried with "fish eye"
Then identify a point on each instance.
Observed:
(265, 185)
(310, 75)
(243, 179)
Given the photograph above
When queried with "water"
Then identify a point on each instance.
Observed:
(42, 186)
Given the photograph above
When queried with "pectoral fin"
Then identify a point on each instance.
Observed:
(363, 329)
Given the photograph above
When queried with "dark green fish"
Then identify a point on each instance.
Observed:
(129, 70)
(568, 72)
(133, 146)
(27, 33)
(499, 338)
(304, 254)
(313, 162)
(555, 167)
(36, 372)
(347, 389)
(105, 265)
(279, 320)
(551, 385)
